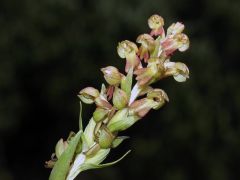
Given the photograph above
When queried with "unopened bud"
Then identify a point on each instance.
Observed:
(112, 75)
(120, 98)
(100, 114)
(61, 146)
(121, 120)
(158, 96)
(88, 95)
(105, 138)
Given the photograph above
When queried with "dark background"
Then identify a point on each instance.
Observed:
(51, 49)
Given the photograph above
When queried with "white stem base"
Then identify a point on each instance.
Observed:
(75, 170)
(134, 93)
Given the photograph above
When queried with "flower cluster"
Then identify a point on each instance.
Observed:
(119, 105)
(150, 62)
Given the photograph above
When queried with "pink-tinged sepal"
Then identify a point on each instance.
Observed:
(141, 107)
(112, 75)
(110, 91)
(143, 54)
(158, 32)
(102, 102)
(150, 74)
(132, 62)
(143, 76)
(171, 44)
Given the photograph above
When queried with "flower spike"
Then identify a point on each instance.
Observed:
(121, 104)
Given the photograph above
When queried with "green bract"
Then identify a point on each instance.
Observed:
(100, 114)
(88, 95)
(120, 98)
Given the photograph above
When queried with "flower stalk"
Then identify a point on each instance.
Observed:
(119, 104)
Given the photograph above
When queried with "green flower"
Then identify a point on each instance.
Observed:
(112, 75)
(88, 95)
(120, 98)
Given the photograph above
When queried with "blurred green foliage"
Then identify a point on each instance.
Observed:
(50, 49)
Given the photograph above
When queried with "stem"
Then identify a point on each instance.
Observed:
(74, 171)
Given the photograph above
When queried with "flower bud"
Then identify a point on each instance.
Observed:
(159, 96)
(156, 22)
(127, 49)
(121, 120)
(61, 146)
(120, 98)
(100, 114)
(88, 95)
(105, 138)
(112, 75)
